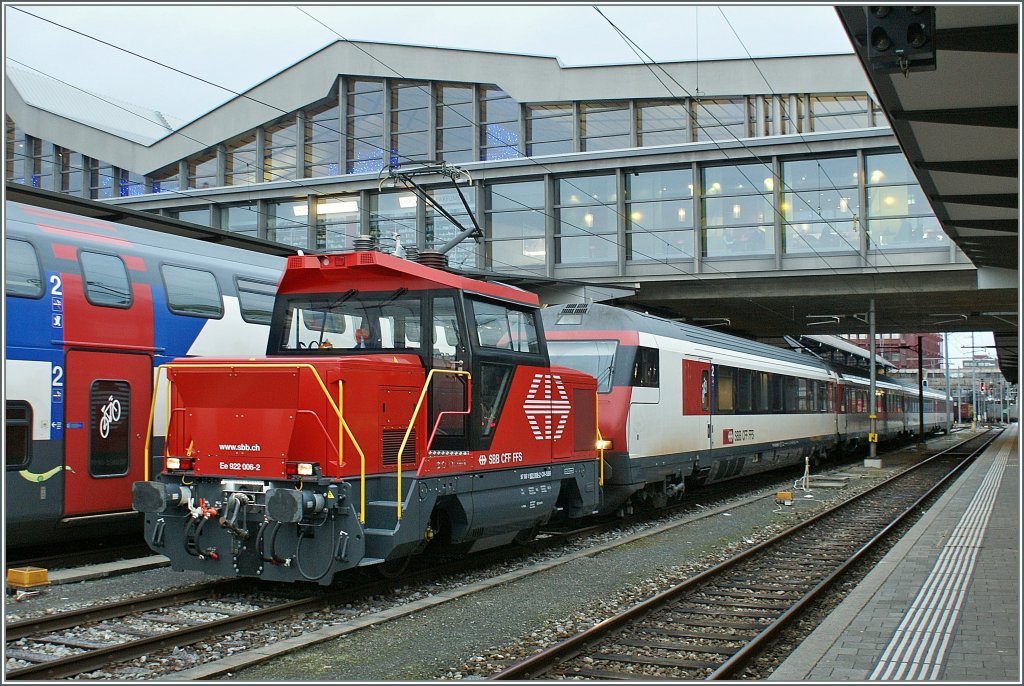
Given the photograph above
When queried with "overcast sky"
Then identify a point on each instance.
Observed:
(238, 46)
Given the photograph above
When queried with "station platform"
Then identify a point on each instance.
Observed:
(944, 603)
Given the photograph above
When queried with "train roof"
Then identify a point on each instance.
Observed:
(608, 318)
(377, 271)
(22, 220)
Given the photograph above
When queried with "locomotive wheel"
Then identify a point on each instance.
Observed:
(390, 569)
(526, 535)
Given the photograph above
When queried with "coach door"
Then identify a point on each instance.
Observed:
(697, 399)
(107, 411)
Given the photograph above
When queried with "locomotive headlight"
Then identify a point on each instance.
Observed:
(300, 469)
(604, 444)
(178, 463)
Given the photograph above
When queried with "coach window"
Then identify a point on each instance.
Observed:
(24, 277)
(645, 368)
(744, 391)
(256, 300)
(192, 292)
(725, 389)
(106, 280)
(18, 426)
(109, 428)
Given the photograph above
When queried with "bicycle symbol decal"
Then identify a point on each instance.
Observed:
(111, 413)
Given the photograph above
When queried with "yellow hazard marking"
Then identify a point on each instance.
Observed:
(39, 478)
(330, 495)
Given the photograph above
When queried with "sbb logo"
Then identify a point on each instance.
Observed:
(728, 436)
(547, 407)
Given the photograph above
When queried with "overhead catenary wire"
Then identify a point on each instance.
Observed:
(637, 50)
(396, 222)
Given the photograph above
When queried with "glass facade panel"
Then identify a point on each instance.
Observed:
(499, 124)
(199, 216)
(439, 230)
(820, 204)
(103, 178)
(549, 129)
(587, 190)
(12, 150)
(898, 214)
(839, 112)
(243, 219)
(72, 171)
(322, 150)
(286, 223)
(604, 126)
(131, 184)
(166, 180)
(365, 127)
(279, 143)
(410, 121)
(240, 164)
(455, 123)
(337, 222)
(587, 220)
(819, 237)
(202, 170)
(514, 225)
(393, 213)
(661, 123)
(722, 119)
(737, 211)
(659, 216)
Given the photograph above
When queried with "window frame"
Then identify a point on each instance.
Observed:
(185, 313)
(86, 282)
(39, 270)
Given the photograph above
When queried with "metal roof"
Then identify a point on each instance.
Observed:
(959, 126)
(132, 122)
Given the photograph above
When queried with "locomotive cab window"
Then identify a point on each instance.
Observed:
(349, 321)
(502, 328)
(106, 280)
(192, 292)
(109, 428)
(23, 275)
(18, 430)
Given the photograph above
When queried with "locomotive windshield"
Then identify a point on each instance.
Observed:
(350, 320)
(596, 358)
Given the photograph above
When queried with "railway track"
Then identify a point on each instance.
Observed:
(712, 625)
(116, 633)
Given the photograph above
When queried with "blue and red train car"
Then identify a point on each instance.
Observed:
(90, 308)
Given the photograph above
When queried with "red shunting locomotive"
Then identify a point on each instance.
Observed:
(397, 405)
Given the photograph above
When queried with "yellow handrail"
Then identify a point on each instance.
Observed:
(342, 424)
(412, 421)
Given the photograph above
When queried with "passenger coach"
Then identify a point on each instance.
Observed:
(91, 307)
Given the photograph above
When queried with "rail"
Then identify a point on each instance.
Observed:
(343, 427)
(753, 595)
(416, 412)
